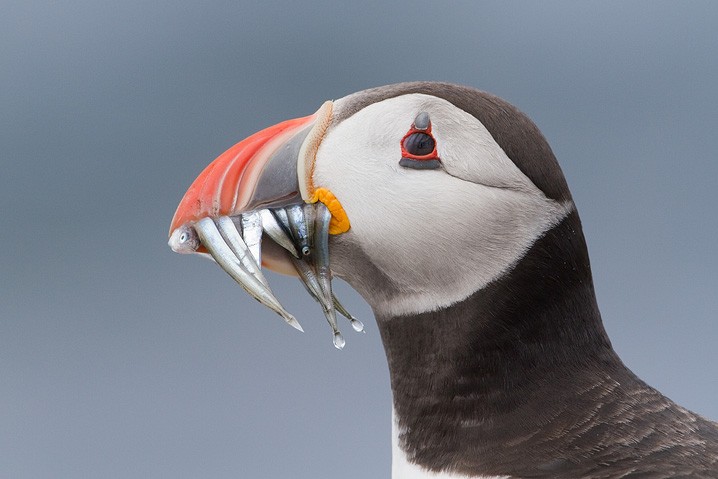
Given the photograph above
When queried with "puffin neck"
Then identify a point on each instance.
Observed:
(464, 375)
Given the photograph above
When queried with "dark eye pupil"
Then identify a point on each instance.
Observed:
(419, 144)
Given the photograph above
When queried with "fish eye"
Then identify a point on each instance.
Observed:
(184, 237)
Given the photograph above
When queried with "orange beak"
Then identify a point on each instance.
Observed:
(262, 187)
(229, 185)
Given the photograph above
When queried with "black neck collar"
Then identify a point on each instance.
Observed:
(471, 381)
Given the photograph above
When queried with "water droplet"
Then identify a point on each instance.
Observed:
(339, 340)
(357, 325)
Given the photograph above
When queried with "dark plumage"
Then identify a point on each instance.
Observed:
(465, 240)
(521, 379)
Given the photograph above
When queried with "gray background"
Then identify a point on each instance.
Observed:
(119, 358)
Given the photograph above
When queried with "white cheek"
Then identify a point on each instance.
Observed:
(436, 237)
(438, 249)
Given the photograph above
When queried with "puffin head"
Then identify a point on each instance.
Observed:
(446, 209)
(417, 194)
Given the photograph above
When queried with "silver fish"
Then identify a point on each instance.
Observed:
(228, 230)
(310, 214)
(324, 274)
(252, 234)
(234, 242)
(309, 279)
(356, 324)
(226, 258)
(277, 232)
(298, 226)
(184, 240)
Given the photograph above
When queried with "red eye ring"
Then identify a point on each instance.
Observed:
(418, 147)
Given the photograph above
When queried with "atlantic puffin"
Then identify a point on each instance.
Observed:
(446, 209)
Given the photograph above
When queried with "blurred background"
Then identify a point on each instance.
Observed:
(120, 359)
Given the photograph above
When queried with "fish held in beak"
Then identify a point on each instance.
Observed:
(261, 190)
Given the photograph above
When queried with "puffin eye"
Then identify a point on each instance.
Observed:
(418, 147)
(419, 144)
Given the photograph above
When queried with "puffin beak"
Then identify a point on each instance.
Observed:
(262, 189)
